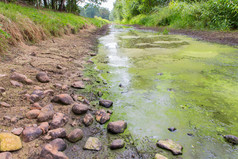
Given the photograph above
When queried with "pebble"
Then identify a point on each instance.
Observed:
(117, 127)
(231, 139)
(172, 129)
(9, 142)
(44, 127)
(75, 135)
(159, 156)
(47, 113)
(17, 131)
(65, 99)
(106, 103)
(117, 144)
(33, 114)
(2, 90)
(79, 108)
(4, 104)
(88, 119)
(21, 78)
(78, 85)
(102, 116)
(5, 155)
(56, 133)
(170, 145)
(59, 120)
(16, 84)
(31, 133)
(93, 143)
(42, 77)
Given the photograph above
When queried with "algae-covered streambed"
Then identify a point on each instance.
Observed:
(172, 81)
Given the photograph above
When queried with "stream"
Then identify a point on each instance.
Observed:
(160, 81)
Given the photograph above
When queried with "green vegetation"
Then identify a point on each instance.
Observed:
(26, 24)
(203, 14)
(91, 10)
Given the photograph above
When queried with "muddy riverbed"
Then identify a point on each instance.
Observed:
(161, 81)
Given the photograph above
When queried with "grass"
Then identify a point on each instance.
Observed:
(27, 24)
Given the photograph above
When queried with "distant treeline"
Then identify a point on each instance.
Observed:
(198, 14)
(71, 6)
(91, 10)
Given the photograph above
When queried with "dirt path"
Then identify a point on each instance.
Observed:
(227, 38)
(62, 58)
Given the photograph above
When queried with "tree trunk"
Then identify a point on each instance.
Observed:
(45, 4)
(61, 8)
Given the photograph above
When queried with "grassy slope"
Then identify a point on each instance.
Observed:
(26, 24)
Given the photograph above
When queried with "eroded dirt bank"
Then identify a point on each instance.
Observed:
(63, 59)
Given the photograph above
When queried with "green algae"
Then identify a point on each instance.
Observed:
(195, 90)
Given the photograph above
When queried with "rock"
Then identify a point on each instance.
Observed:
(49, 92)
(117, 144)
(93, 144)
(117, 127)
(65, 87)
(44, 127)
(63, 99)
(31, 133)
(102, 116)
(100, 94)
(75, 122)
(5, 155)
(38, 88)
(159, 156)
(39, 93)
(58, 86)
(21, 78)
(9, 142)
(16, 84)
(168, 144)
(7, 118)
(56, 133)
(106, 103)
(79, 108)
(4, 104)
(58, 144)
(231, 139)
(75, 135)
(33, 114)
(47, 113)
(36, 106)
(190, 134)
(92, 54)
(42, 77)
(51, 152)
(109, 111)
(2, 90)
(17, 131)
(88, 119)
(78, 85)
(34, 98)
(14, 120)
(172, 129)
(59, 67)
(59, 120)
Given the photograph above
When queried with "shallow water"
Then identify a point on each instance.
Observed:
(172, 81)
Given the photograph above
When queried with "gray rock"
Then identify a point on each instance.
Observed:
(88, 119)
(168, 144)
(102, 116)
(59, 120)
(117, 127)
(159, 156)
(56, 133)
(34, 98)
(49, 92)
(117, 144)
(172, 129)
(33, 114)
(78, 85)
(21, 78)
(31, 133)
(79, 108)
(42, 77)
(106, 103)
(58, 144)
(44, 127)
(17, 131)
(93, 144)
(5, 155)
(39, 93)
(16, 84)
(63, 99)
(231, 139)
(47, 113)
(75, 135)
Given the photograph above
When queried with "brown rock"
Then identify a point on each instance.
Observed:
(56, 133)
(106, 103)
(49, 92)
(16, 84)
(33, 114)
(58, 144)
(88, 119)
(63, 99)
(168, 144)
(5, 155)
(2, 90)
(59, 120)
(50, 152)
(75, 135)
(17, 131)
(44, 127)
(38, 88)
(47, 113)
(117, 127)
(34, 98)
(42, 77)
(4, 104)
(36, 106)
(21, 78)
(117, 144)
(31, 133)
(102, 116)
(80, 108)
(14, 119)
(78, 85)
